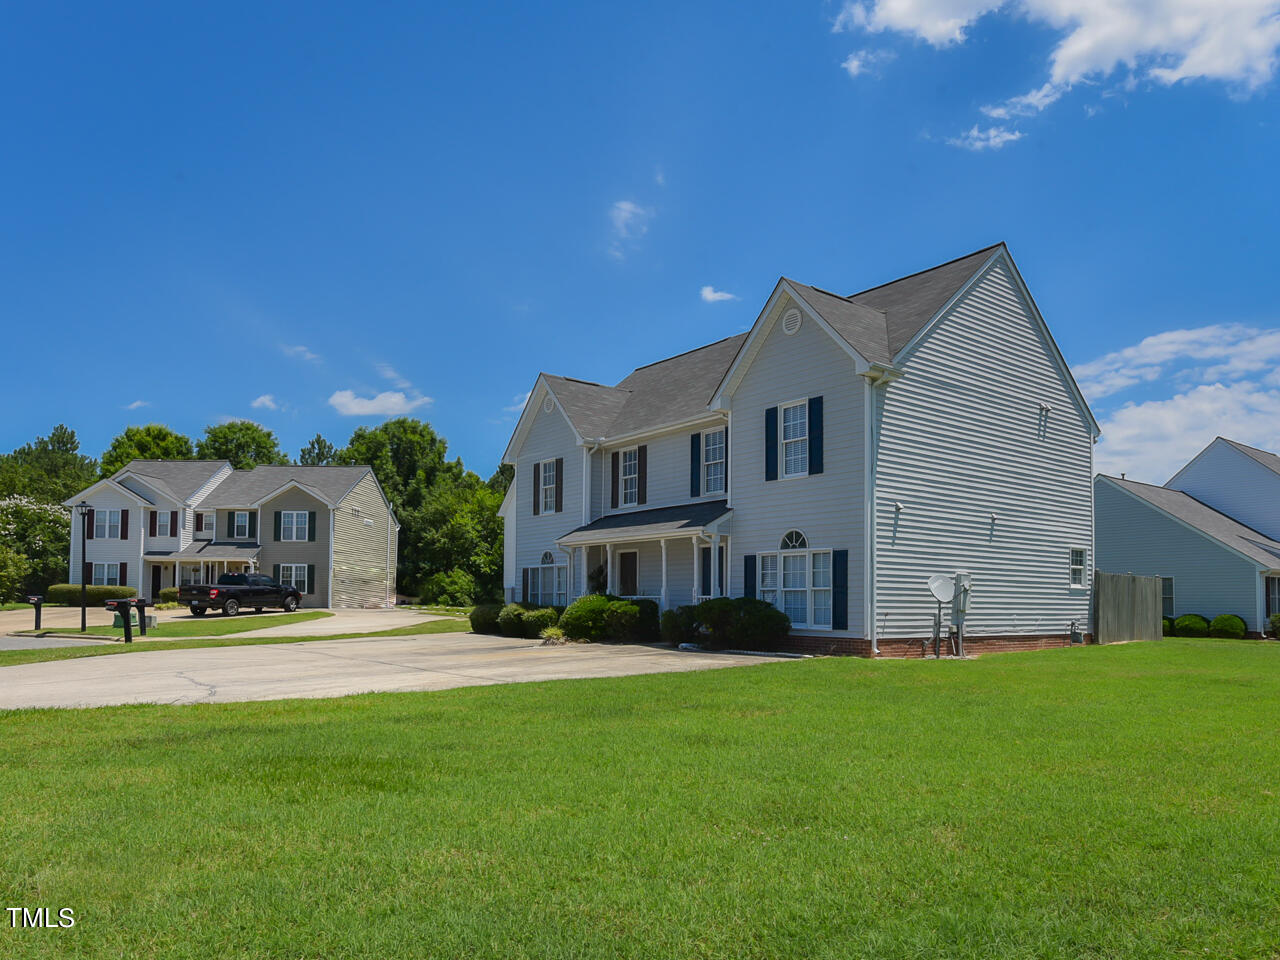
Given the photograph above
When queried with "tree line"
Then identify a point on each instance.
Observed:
(450, 534)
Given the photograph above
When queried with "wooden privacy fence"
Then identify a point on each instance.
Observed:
(1126, 607)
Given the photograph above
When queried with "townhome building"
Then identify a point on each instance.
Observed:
(828, 461)
(1211, 533)
(327, 530)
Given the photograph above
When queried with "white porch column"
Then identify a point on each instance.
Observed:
(663, 603)
(715, 566)
(697, 560)
(608, 568)
(582, 567)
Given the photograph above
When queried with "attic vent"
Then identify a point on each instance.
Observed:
(791, 321)
(547, 403)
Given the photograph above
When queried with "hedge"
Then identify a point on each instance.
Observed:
(536, 621)
(585, 618)
(168, 595)
(96, 595)
(679, 626)
(742, 622)
(1228, 626)
(1191, 625)
(1275, 624)
(1166, 627)
(484, 618)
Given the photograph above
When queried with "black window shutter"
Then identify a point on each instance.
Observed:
(749, 575)
(695, 464)
(311, 578)
(613, 480)
(706, 571)
(642, 473)
(173, 523)
(231, 524)
(815, 435)
(311, 525)
(89, 534)
(537, 489)
(253, 524)
(199, 522)
(840, 590)
(771, 444)
(155, 514)
(124, 572)
(524, 585)
(86, 573)
(275, 527)
(275, 572)
(124, 525)
(559, 484)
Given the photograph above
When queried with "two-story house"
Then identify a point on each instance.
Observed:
(329, 530)
(828, 461)
(1212, 533)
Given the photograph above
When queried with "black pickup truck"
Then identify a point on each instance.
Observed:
(235, 591)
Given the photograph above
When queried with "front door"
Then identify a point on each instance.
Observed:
(628, 573)
(155, 583)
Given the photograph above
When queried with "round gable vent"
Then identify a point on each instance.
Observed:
(547, 403)
(791, 321)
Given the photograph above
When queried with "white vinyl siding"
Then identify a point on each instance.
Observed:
(364, 549)
(987, 480)
(1232, 482)
(549, 436)
(110, 550)
(827, 506)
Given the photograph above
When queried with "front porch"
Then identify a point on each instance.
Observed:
(671, 555)
(200, 562)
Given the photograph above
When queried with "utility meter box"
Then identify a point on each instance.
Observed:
(960, 600)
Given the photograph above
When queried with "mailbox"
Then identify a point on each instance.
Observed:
(141, 604)
(124, 608)
(36, 603)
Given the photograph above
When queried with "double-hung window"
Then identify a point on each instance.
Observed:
(1166, 595)
(630, 476)
(795, 439)
(548, 486)
(1077, 566)
(797, 580)
(293, 525)
(162, 524)
(242, 524)
(713, 461)
(208, 523)
(106, 574)
(548, 582)
(106, 524)
(294, 575)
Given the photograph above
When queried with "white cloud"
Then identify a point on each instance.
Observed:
(137, 405)
(992, 138)
(1026, 105)
(388, 372)
(299, 351)
(630, 222)
(659, 177)
(518, 402)
(389, 403)
(711, 295)
(265, 402)
(865, 61)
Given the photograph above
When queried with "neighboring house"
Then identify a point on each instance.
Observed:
(1212, 533)
(828, 461)
(160, 523)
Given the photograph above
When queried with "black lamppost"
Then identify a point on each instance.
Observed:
(83, 509)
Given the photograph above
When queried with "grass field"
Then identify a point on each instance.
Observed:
(215, 625)
(10, 658)
(1108, 802)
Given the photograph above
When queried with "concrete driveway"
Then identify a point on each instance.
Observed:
(331, 668)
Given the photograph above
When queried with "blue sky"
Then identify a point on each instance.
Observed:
(316, 216)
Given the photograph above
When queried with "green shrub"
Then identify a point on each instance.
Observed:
(1228, 626)
(552, 633)
(167, 595)
(680, 626)
(511, 620)
(584, 619)
(1275, 624)
(1166, 627)
(455, 588)
(1191, 625)
(536, 621)
(14, 570)
(647, 629)
(622, 621)
(742, 622)
(69, 593)
(484, 618)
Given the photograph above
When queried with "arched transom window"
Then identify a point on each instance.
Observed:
(794, 540)
(548, 559)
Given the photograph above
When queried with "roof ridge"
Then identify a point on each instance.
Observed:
(685, 353)
(589, 383)
(936, 266)
(1156, 486)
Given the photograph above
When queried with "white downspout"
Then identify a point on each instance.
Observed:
(869, 511)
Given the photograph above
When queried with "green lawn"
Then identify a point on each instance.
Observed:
(10, 658)
(208, 626)
(1102, 802)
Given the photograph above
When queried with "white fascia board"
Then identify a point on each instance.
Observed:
(711, 416)
(310, 491)
(112, 485)
(540, 389)
(1194, 529)
(760, 329)
(142, 479)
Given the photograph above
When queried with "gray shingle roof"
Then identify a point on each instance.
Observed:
(877, 323)
(246, 487)
(208, 550)
(1269, 460)
(642, 524)
(1262, 550)
(178, 479)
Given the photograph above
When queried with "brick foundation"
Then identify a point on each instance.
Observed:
(910, 648)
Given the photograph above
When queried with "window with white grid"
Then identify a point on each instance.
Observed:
(713, 461)
(630, 476)
(795, 439)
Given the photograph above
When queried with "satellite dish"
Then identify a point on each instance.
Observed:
(942, 587)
